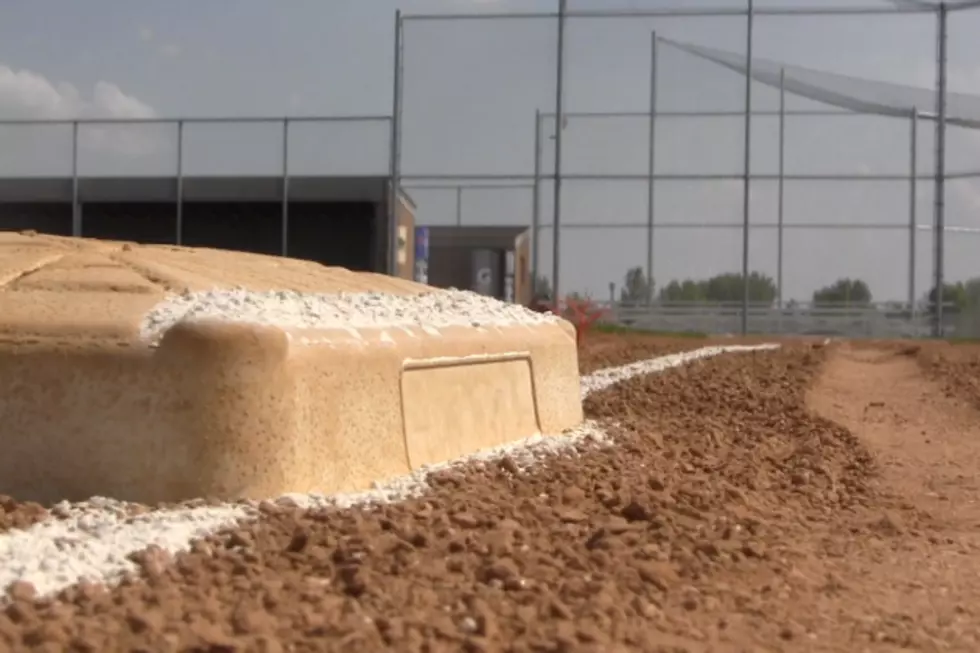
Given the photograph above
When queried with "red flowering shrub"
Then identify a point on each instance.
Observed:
(582, 312)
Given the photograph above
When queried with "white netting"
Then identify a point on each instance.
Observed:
(842, 91)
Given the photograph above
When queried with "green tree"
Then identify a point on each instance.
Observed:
(971, 293)
(637, 288)
(683, 291)
(729, 287)
(542, 288)
(955, 296)
(844, 291)
(726, 287)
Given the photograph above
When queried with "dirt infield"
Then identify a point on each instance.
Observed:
(955, 366)
(813, 498)
(601, 349)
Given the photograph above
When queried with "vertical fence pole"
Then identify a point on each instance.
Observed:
(780, 189)
(395, 152)
(459, 206)
(939, 208)
(76, 214)
(285, 187)
(747, 168)
(651, 165)
(179, 227)
(559, 127)
(913, 200)
(536, 207)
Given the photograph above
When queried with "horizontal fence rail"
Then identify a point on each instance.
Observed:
(882, 320)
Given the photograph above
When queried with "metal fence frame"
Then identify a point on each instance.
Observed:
(460, 192)
(912, 226)
(179, 124)
(941, 12)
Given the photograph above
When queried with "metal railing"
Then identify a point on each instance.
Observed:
(876, 320)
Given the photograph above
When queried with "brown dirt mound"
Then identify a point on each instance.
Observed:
(680, 538)
(599, 349)
(955, 366)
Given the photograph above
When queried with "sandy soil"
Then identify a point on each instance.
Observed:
(816, 498)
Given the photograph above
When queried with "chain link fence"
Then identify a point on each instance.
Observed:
(734, 168)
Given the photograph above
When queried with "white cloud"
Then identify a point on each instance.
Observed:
(146, 34)
(26, 94)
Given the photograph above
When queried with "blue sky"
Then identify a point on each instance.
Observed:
(471, 89)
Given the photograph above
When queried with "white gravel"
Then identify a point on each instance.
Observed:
(611, 375)
(288, 309)
(93, 540)
(524, 453)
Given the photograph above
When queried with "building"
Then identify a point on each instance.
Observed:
(339, 221)
(491, 260)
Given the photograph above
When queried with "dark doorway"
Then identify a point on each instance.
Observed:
(51, 218)
(142, 222)
(450, 267)
(242, 226)
(464, 267)
(335, 233)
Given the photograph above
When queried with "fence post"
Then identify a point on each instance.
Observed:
(651, 165)
(459, 206)
(747, 168)
(179, 227)
(536, 207)
(940, 180)
(394, 154)
(559, 127)
(76, 213)
(780, 189)
(285, 187)
(913, 200)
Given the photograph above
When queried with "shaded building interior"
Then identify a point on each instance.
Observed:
(340, 221)
(490, 260)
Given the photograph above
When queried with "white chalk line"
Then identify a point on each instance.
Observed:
(94, 540)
